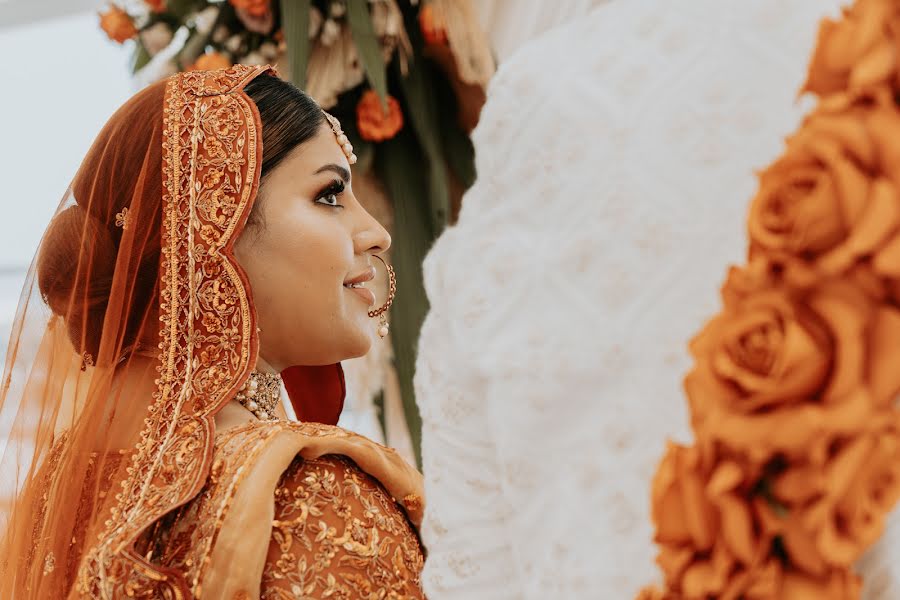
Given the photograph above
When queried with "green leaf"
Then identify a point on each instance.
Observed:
(295, 26)
(367, 46)
(422, 112)
(141, 57)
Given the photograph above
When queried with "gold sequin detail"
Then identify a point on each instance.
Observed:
(49, 563)
(122, 218)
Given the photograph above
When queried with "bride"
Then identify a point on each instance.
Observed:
(210, 241)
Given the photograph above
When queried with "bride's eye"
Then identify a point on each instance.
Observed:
(329, 195)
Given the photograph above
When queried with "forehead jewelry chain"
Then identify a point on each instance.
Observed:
(341, 138)
(392, 291)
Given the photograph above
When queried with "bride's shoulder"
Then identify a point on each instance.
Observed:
(263, 444)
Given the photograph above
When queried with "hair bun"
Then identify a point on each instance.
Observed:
(74, 273)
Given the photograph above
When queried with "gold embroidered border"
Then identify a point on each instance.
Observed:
(211, 160)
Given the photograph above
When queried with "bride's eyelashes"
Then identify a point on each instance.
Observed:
(329, 194)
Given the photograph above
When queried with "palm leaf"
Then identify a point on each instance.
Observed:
(399, 165)
(367, 46)
(295, 25)
(422, 110)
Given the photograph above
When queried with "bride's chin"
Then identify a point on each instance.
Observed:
(359, 342)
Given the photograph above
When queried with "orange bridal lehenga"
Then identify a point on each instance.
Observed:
(116, 494)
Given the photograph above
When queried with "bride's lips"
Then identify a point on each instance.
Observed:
(355, 285)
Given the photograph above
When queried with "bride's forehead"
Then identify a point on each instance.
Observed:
(320, 149)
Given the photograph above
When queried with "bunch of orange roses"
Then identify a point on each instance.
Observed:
(796, 460)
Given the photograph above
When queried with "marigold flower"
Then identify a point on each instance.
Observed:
(117, 24)
(374, 122)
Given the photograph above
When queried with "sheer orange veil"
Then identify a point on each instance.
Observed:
(135, 270)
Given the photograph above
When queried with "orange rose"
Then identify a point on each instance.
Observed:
(210, 62)
(859, 51)
(833, 511)
(117, 24)
(772, 582)
(254, 8)
(826, 360)
(839, 584)
(820, 203)
(156, 5)
(432, 27)
(765, 350)
(704, 526)
(374, 122)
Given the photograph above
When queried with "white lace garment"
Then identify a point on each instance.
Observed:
(615, 160)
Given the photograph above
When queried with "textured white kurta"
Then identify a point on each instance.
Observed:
(615, 159)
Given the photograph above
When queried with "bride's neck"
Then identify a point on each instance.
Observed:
(263, 366)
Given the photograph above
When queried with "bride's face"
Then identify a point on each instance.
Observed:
(310, 239)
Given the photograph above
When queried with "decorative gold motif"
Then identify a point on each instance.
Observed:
(261, 395)
(122, 218)
(412, 502)
(186, 539)
(49, 563)
(211, 161)
(338, 534)
(342, 139)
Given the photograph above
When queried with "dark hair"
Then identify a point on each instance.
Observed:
(81, 249)
(289, 118)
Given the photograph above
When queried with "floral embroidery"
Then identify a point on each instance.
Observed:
(335, 527)
(209, 135)
(338, 534)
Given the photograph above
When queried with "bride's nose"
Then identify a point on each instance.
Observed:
(370, 235)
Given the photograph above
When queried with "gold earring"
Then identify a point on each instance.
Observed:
(392, 291)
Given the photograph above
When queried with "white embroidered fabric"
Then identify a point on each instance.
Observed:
(615, 159)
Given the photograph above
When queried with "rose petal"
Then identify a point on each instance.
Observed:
(673, 560)
(884, 355)
(879, 219)
(799, 485)
(800, 546)
(737, 528)
(846, 315)
(696, 512)
(886, 261)
(876, 66)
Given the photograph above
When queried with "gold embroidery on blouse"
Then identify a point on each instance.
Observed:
(186, 537)
(338, 534)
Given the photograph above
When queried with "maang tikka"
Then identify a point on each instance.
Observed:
(380, 312)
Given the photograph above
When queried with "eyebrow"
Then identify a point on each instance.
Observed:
(338, 169)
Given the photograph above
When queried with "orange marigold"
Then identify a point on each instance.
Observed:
(374, 122)
(254, 8)
(432, 26)
(117, 24)
(211, 61)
